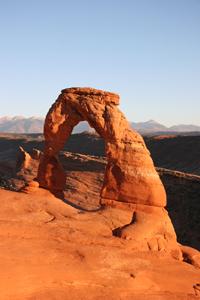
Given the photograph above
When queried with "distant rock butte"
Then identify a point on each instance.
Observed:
(131, 181)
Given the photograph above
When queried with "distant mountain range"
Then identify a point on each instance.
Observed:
(152, 126)
(20, 124)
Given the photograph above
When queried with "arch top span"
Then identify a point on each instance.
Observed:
(130, 175)
(108, 97)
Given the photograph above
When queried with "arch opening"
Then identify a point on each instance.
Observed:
(84, 163)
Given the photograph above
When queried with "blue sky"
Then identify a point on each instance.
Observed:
(148, 51)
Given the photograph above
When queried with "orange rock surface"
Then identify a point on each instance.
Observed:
(130, 175)
(52, 251)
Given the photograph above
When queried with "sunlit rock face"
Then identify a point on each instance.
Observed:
(130, 181)
(130, 175)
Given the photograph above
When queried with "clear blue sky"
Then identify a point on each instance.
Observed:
(148, 51)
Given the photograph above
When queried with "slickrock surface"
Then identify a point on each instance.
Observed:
(50, 250)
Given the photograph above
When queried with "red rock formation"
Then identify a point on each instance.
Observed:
(26, 168)
(130, 174)
(130, 177)
(23, 159)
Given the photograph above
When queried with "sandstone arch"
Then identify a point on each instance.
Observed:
(131, 181)
(130, 175)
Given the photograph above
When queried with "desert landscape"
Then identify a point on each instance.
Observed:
(99, 150)
(67, 240)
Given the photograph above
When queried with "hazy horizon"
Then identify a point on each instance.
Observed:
(142, 121)
(147, 51)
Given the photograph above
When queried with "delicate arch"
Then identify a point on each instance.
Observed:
(130, 175)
